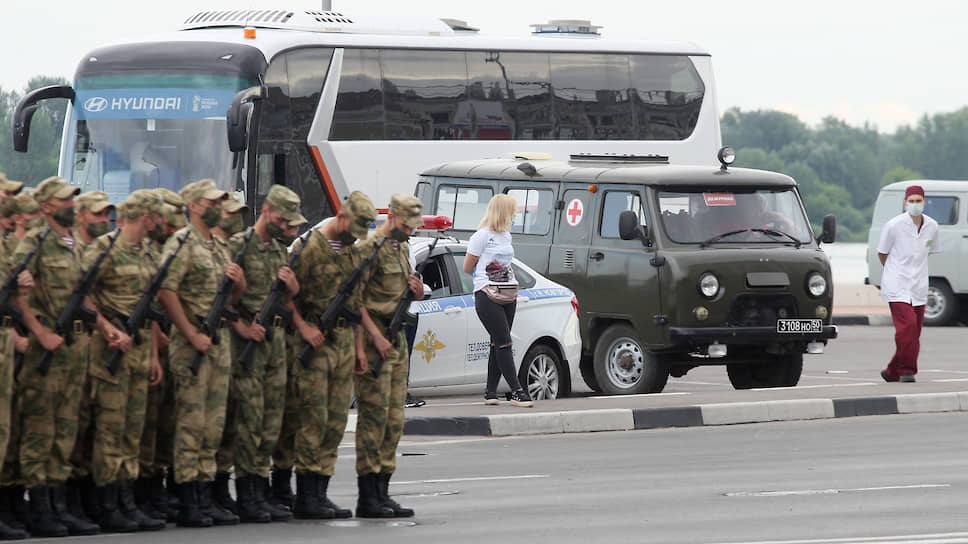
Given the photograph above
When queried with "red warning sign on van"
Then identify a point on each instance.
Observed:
(719, 199)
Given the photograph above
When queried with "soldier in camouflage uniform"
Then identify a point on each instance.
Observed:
(8, 190)
(325, 383)
(119, 398)
(187, 296)
(259, 391)
(380, 399)
(49, 403)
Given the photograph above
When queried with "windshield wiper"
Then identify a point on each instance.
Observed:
(719, 237)
(774, 232)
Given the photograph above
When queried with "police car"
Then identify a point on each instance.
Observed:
(451, 347)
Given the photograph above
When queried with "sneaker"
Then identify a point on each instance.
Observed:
(490, 399)
(413, 402)
(522, 399)
(887, 378)
(907, 378)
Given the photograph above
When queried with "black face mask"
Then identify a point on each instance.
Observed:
(398, 235)
(64, 217)
(346, 238)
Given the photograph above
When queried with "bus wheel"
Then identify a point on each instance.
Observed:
(942, 304)
(783, 371)
(624, 367)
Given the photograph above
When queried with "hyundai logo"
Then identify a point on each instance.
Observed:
(96, 104)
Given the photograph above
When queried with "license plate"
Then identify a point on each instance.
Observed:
(799, 325)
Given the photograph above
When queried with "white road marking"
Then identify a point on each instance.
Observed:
(829, 491)
(952, 380)
(479, 479)
(943, 371)
(649, 395)
(829, 377)
(936, 538)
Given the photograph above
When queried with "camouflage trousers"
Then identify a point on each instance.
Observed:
(284, 455)
(6, 388)
(157, 439)
(84, 444)
(225, 455)
(200, 403)
(379, 406)
(48, 412)
(10, 472)
(118, 407)
(324, 388)
(260, 395)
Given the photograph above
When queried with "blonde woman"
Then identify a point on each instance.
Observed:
(489, 255)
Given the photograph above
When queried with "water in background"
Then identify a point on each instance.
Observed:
(848, 262)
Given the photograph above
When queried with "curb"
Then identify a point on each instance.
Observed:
(629, 419)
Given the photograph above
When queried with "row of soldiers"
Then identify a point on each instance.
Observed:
(139, 365)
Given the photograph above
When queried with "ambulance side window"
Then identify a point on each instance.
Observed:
(535, 210)
(615, 203)
(465, 205)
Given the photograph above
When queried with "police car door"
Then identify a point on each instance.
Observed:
(478, 344)
(437, 357)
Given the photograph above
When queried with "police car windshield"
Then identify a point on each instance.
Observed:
(729, 216)
(150, 130)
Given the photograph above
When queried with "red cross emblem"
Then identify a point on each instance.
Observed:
(574, 212)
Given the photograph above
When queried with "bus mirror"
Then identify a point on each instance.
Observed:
(239, 116)
(829, 233)
(630, 229)
(26, 108)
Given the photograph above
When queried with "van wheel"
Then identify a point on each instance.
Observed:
(783, 371)
(541, 373)
(623, 367)
(942, 303)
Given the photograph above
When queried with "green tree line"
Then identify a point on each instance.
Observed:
(840, 167)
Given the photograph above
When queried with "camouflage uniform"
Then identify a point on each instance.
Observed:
(284, 455)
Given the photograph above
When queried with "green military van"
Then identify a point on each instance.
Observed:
(674, 266)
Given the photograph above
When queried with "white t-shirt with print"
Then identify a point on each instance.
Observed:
(494, 253)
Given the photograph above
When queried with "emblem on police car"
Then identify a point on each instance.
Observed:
(429, 346)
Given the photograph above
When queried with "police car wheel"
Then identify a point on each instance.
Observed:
(542, 374)
(783, 371)
(624, 367)
(942, 304)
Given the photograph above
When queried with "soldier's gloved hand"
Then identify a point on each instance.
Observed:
(312, 335)
(287, 276)
(200, 342)
(50, 341)
(383, 346)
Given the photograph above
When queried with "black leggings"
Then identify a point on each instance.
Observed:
(497, 319)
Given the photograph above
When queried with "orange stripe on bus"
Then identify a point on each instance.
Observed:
(327, 181)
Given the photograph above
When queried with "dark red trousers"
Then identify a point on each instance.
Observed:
(907, 338)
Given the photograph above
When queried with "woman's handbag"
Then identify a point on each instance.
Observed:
(501, 294)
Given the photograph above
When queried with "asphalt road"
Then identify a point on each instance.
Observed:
(866, 479)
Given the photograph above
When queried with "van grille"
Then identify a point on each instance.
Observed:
(761, 310)
(569, 261)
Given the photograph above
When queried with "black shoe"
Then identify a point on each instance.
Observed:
(210, 508)
(174, 494)
(413, 402)
(282, 488)
(189, 513)
(907, 378)
(368, 504)
(7, 516)
(19, 507)
(221, 495)
(308, 505)
(521, 399)
(76, 489)
(277, 512)
(248, 503)
(490, 398)
(886, 377)
(158, 503)
(112, 519)
(75, 526)
(9, 533)
(384, 489)
(322, 487)
(130, 509)
(43, 523)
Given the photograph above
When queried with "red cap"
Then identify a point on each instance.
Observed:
(913, 190)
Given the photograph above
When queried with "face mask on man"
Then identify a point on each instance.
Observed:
(97, 229)
(915, 209)
(276, 232)
(211, 217)
(64, 217)
(232, 224)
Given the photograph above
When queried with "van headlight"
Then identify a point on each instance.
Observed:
(816, 284)
(708, 285)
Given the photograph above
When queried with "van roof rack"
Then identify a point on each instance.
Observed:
(615, 157)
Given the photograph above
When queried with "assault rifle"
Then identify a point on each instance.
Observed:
(273, 307)
(218, 309)
(9, 290)
(400, 314)
(337, 308)
(143, 310)
(75, 309)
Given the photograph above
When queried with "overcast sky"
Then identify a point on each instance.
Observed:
(886, 62)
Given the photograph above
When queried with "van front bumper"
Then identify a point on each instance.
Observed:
(747, 335)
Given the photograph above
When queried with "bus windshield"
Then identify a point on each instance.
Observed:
(709, 216)
(150, 130)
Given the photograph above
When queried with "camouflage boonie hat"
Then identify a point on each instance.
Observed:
(287, 203)
(234, 204)
(141, 202)
(54, 187)
(10, 186)
(96, 201)
(204, 188)
(174, 214)
(26, 203)
(360, 211)
(408, 208)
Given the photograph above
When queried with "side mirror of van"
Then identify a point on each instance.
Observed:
(829, 233)
(630, 229)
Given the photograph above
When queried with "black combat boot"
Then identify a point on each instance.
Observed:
(383, 480)
(43, 523)
(282, 488)
(221, 495)
(159, 498)
(112, 520)
(143, 498)
(7, 516)
(173, 492)
(75, 526)
(19, 507)
(322, 487)
(75, 500)
(278, 512)
(307, 498)
(189, 513)
(90, 500)
(130, 509)
(9, 533)
(368, 503)
(210, 508)
(248, 505)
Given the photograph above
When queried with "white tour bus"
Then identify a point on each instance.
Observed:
(327, 103)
